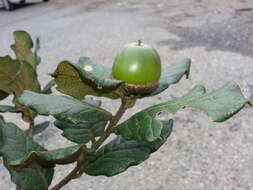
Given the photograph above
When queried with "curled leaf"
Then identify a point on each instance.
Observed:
(86, 78)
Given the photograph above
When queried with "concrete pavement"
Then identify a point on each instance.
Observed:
(217, 35)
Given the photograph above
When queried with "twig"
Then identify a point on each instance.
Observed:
(31, 128)
(69, 177)
(113, 122)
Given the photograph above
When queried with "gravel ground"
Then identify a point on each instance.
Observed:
(217, 35)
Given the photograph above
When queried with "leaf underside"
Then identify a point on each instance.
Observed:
(64, 108)
(220, 105)
(14, 144)
(118, 155)
(86, 78)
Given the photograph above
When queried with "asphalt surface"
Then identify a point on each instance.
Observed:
(217, 36)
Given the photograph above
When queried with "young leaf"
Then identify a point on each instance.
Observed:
(48, 88)
(171, 75)
(14, 144)
(40, 127)
(22, 48)
(5, 108)
(86, 78)
(220, 105)
(48, 159)
(64, 108)
(119, 154)
(81, 133)
(3, 95)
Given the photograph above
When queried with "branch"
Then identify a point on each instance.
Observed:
(31, 128)
(69, 177)
(113, 123)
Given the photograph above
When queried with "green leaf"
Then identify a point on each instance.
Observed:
(15, 144)
(86, 78)
(3, 95)
(40, 127)
(81, 133)
(48, 88)
(171, 75)
(22, 48)
(5, 108)
(48, 159)
(64, 108)
(220, 105)
(119, 154)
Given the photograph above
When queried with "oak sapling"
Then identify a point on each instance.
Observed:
(136, 74)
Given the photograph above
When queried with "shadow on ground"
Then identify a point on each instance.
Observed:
(234, 37)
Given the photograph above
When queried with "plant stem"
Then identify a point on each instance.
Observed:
(69, 177)
(96, 144)
(31, 128)
(113, 122)
(18, 188)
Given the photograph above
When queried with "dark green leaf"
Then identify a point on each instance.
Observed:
(40, 127)
(171, 75)
(5, 108)
(86, 78)
(48, 159)
(48, 88)
(81, 133)
(220, 105)
(119, 154)
(22, 48)
(64, 108)
(15, 144)
(3, 95)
